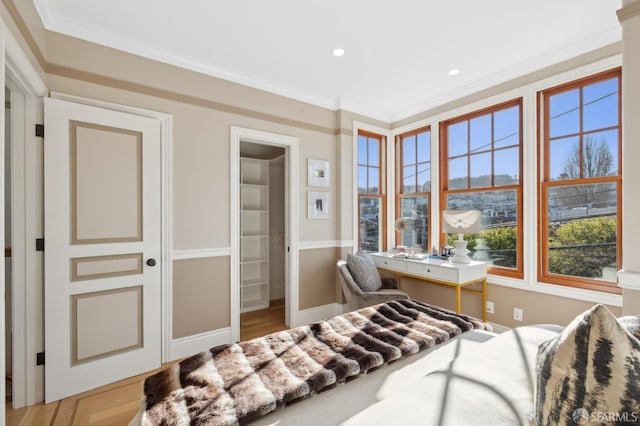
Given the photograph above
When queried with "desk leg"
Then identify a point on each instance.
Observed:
(484, 300)
(458, 303)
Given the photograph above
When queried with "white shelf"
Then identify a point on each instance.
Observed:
(254, 197)
(253, 283)
(254, 171)
(254, 234)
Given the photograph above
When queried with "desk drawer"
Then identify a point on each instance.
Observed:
(432, 271)
(389, 263)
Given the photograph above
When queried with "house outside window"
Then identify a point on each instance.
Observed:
(481, 168)
(413, 187)
(371, 193)
(580, 199)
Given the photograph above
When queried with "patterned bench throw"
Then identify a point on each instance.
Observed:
(234, 384)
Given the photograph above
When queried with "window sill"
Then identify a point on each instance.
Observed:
(629, 280)
(558, 290)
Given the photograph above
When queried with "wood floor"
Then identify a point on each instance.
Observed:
(117, 403)
(265, 321)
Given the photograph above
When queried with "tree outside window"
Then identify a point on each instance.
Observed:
(580, 201)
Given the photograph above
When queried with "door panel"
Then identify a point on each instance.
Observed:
(102, 224)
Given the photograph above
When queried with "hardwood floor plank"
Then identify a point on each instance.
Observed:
(258, 323)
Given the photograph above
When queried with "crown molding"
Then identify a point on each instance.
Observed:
(54, 22)
(606, 38)
(628, 12)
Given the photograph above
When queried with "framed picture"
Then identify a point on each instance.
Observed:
(318, 205)
(318, 171)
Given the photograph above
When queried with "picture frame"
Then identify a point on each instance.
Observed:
(318, 173)
(318, 205)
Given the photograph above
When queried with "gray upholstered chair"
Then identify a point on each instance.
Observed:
(357, 299)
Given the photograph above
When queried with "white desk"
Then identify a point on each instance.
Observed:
(441, 272)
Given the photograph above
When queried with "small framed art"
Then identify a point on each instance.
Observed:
(318, 172)
(318, 205)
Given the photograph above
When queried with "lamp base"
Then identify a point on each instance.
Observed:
(460, 254)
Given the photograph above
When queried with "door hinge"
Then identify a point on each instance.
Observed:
(39, 244)
(40, 130)
(40, 358)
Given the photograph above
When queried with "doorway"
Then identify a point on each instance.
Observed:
(21, 224)
(262, 240)
(264, 229)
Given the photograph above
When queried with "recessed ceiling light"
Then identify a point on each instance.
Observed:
(454, 71)
(338, 51)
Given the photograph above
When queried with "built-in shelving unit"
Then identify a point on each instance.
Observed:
(254, 234)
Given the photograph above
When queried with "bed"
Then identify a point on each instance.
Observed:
(243, 382)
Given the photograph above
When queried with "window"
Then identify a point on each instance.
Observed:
(371, 194)
(413, 187)
(481, 169)
(581, 183)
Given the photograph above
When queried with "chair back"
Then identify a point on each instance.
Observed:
(351, 291)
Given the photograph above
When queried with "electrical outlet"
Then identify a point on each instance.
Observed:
(489, 307)
(517, 314)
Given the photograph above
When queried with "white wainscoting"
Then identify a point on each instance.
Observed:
(311, 245)
(200, 253)
(319, 313)
(190, 345)
(186, 346)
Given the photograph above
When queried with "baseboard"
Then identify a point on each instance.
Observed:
(187, 346)
(319, 313)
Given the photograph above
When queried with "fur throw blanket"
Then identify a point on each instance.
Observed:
(234, 384)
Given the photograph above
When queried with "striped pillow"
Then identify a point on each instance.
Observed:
(589, 373)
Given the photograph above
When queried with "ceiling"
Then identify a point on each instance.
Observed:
(398, 52)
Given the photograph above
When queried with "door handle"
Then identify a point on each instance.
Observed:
(151, 262)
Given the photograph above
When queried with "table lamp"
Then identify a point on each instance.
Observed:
(461, 222)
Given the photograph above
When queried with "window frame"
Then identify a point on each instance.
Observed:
(399, 179)
(517, 272)
(545, 183)
(382, 222)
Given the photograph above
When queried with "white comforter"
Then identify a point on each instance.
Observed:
(491, 386)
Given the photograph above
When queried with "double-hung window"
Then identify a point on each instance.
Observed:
(481, 163)
(581, 183)
(371, 191)
(413, 187)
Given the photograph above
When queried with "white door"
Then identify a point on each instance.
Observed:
(102, 257)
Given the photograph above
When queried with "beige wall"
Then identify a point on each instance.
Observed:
(198, 286)
(631, 302)
(630, 20)
(24, 23)
(318, 279)
(537, 308)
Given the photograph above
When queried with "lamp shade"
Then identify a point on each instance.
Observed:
(461, 221)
